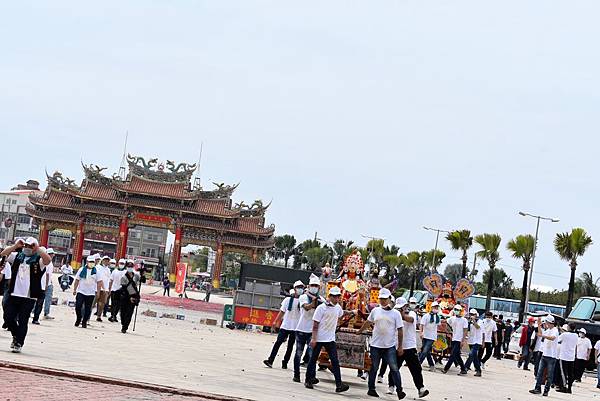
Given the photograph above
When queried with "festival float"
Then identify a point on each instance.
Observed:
(447, 296)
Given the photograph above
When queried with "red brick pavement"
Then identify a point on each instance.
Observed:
(20, 385)
(186, 303)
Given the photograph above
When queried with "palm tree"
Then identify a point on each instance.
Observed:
(433, 259)
(489, 243)
(569, 247)
(587, 286)
(461, 240)
(452, 272)
(412, 262)
(285, 246)
(522, 247)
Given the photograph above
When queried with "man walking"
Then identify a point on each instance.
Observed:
(46, 301)
(28, 264)
(130, 295)
(566, 358)
(584, 348)
(166, 286)
(87, 285)
(115, 290)
(549, 353)
(325, 321)
(290, 310)
(385, 340)
(308, 304)
(104, 273)
(459, 326)
(489, 336)
(500, 327)
(475, 337)
(429, 329)
(526, 343)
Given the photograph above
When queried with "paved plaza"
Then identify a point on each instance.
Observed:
(188, 355)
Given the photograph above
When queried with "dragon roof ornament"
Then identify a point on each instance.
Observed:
(256, 209)
(58, 180)
(93, 172)
(153, 170)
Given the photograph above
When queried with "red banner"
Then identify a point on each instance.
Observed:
(260, 317)
(152, 217)
(180, 275)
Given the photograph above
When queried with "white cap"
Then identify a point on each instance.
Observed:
(298, 284)
(384, 293)
(96, 256)
(582, 330)
(457, 307)
(473, 312)
(550, 319)
(400, 302)
(122, 261)
(50, 251)
(105, 257)
(565, 327)
(335, 291)
(113, 261)
(91, 258)
(435, 303)
(31, 241)
(412, 300)
(314, 280)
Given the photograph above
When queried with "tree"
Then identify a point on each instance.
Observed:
(342, 249)
(316, 257)
(489, 244)
(433, 259)
(285, 246)
(413, 261)
(522, 247)
(453, 272)
(569, 247)
(461, 240)
(586, 286)
(503, 285)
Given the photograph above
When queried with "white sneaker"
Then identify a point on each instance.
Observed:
(423, 392)
(17, 348)
(391, 390)
(365, 376)
(379, 379)
(483, 366)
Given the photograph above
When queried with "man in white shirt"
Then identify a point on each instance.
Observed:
(87, 285)
(325, 321)
(387, 334)
(429, 327)
(475, 337)
(66, 269)
(5, 275)
(597, 353)
(290, 311)
(28, 263)
(549, 336)
(115, 290)
(46, 301)
(584, 348)
(103, 272)
(490, 331)
(566, 358)
(308, 304)
(459, 326)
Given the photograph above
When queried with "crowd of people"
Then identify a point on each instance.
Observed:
(26, 274)
(309, 321)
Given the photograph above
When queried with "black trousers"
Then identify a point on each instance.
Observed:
(16, 316)
(411, 358)
(115, 303)
(579, 368)
(283, 336)
(166, 291)
(567, 373)
(127, 309)
(487, 347)
(83, 307)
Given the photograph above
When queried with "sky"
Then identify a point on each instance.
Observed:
(354, 118)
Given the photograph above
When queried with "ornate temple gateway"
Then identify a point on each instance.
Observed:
(152, 194)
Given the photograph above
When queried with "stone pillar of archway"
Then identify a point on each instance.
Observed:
(216, 277)
(78, 245)
(122, 240)
(176, 253)
(43, 233)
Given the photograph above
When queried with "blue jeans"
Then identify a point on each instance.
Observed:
(311, 369)
(525, 356)
(474, 357)
(455, 356)
(302, 340)
(426, 352)
(388, 355)
(545, 363)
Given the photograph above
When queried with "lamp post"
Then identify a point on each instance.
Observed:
(537, 229)
(437, 237)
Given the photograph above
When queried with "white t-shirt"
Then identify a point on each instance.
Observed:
(409, 338)
(104, 276)
(88, 285)
(489, 327)
(385, 327)
(116, 276)
(305, 323)
(538, 342)
(290, 317)
(429, 329)
(568, 343)
(458, 324)
(23, 275)
(66, 269)
(327, 316)
(49, 271)
(549, 346)
(475, 334)
(7, 271)
(597, 346)
(583, 346)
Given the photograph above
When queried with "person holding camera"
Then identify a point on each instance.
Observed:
(28, 270)
(130, 295)
(474, 339)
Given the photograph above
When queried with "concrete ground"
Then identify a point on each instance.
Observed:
(188, 355)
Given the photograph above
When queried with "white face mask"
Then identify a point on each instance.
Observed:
(299, 291)
(130, 270)
(313, 290)
(435, 311)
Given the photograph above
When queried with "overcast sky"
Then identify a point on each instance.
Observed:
(355, 117)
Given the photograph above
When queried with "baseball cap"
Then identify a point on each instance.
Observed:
(582, 330)
(434, 303)
(31, 241)
(400, 302)
(91, 258)
(384, 293)
(473, 312)
(550, 319)
(298, 284)
(457, 307)
(335, 291)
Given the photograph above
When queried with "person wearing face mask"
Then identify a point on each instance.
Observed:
(308, 302)
(549, 353)
(489, 338)
(409, 345)
(103, 272)
(130, 295)
(584, 348)
(526, 343)
(459, 326)
(290, 311)
(475, 337)
(387, 334)
(28, 271)
(45, 302)
(566, 358)
(86, 287)
(429, 332)
(115, 290)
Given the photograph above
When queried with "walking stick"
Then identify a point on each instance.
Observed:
(136, 307)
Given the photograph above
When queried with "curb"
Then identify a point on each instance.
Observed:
(117, 382)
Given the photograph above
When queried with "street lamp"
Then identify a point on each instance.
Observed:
(437, 237)
(537, 228)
